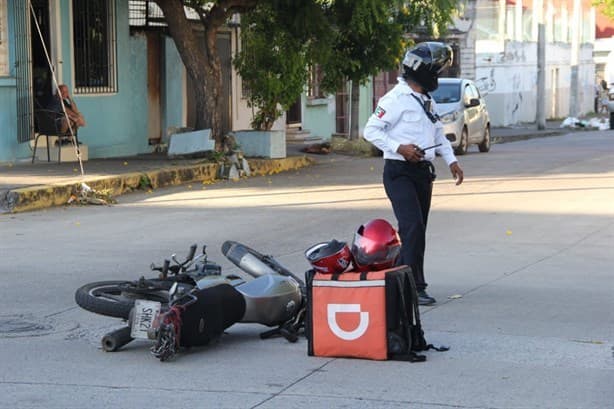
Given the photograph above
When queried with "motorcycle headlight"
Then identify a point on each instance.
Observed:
(450, 117)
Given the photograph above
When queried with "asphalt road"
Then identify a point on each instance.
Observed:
(520, 258)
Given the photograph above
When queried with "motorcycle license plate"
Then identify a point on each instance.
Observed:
(145, 312)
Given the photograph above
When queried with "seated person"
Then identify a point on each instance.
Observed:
(74, 115)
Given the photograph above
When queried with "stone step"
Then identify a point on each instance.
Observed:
(68, 153)
(297, 135)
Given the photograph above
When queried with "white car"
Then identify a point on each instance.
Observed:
(463, 113)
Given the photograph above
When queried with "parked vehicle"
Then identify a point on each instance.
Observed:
(191, 302)
(463, 113)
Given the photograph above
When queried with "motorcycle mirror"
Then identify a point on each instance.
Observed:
(192, 252)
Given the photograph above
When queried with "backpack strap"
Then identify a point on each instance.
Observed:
(410, 321)
(409, 354)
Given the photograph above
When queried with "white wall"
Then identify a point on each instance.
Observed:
(508, 78)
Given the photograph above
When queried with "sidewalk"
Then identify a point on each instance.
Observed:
(32, 186)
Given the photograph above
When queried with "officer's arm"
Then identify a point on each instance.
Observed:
(378, 125)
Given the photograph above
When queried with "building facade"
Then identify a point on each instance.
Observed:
(505, 35)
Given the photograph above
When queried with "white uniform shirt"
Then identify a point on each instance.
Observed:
(400, 119)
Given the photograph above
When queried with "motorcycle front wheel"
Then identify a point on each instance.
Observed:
(116, 298)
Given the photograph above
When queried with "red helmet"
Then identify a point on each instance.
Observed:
(332, 257)
(376, 246)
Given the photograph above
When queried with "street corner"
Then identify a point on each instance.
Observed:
(35, 198)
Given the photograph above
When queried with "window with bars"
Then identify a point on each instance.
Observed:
(94, 46)
(314, 90)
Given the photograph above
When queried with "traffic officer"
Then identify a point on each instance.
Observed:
(406, 128)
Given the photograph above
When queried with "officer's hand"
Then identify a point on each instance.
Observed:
(457, 172)
(411, 152)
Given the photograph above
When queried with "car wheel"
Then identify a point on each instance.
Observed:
(484, 146)
(611, 120)
(461, 149)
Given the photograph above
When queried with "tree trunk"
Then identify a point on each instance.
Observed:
(202, 64)
(354, 105)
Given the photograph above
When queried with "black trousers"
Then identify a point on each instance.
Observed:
(409, 187)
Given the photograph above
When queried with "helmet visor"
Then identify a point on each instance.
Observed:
(441, 58)
(368, 252)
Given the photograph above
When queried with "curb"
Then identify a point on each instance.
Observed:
(46, 196)
(515, 138)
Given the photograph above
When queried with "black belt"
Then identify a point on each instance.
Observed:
(423, 164)
(419, 164)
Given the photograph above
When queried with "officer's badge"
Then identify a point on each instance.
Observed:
(380, 112)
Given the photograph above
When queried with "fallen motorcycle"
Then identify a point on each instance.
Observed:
(191, 303)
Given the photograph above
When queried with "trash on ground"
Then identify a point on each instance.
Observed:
(84, 195)
(592, 123)
(318, 148)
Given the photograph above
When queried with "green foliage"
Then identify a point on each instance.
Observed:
(145, 182)
(605, 6)
(366, 40)
(430, 17)
(276, 40)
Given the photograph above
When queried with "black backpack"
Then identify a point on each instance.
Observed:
(405, 334)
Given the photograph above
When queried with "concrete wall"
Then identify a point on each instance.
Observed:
(508, 78)
(8, 123)
(116, 123)
(4, 50)
(174, 101)
(319, 116)
(365, 108)
(9, 148)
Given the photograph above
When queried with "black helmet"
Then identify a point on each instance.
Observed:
(425, 61)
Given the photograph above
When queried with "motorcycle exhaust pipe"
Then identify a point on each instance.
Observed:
(246, 261)
(114, 340)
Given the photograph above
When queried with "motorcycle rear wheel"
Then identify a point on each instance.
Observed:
(116, 298)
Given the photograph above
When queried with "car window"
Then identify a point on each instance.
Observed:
(446, 93)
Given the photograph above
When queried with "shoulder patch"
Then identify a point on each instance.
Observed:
(379, 112)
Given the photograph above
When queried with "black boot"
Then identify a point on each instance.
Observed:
(425, 299)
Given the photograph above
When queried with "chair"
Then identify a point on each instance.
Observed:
(48, 123)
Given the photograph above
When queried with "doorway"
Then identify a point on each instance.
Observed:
(342, 107)
(41, 72)
(293, 115)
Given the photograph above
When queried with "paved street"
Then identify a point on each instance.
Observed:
(519, 257)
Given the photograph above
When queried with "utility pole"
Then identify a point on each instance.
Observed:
(541, 76)
(574, 89)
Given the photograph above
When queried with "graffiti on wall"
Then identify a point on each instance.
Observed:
(486, 84)
(514, 102)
